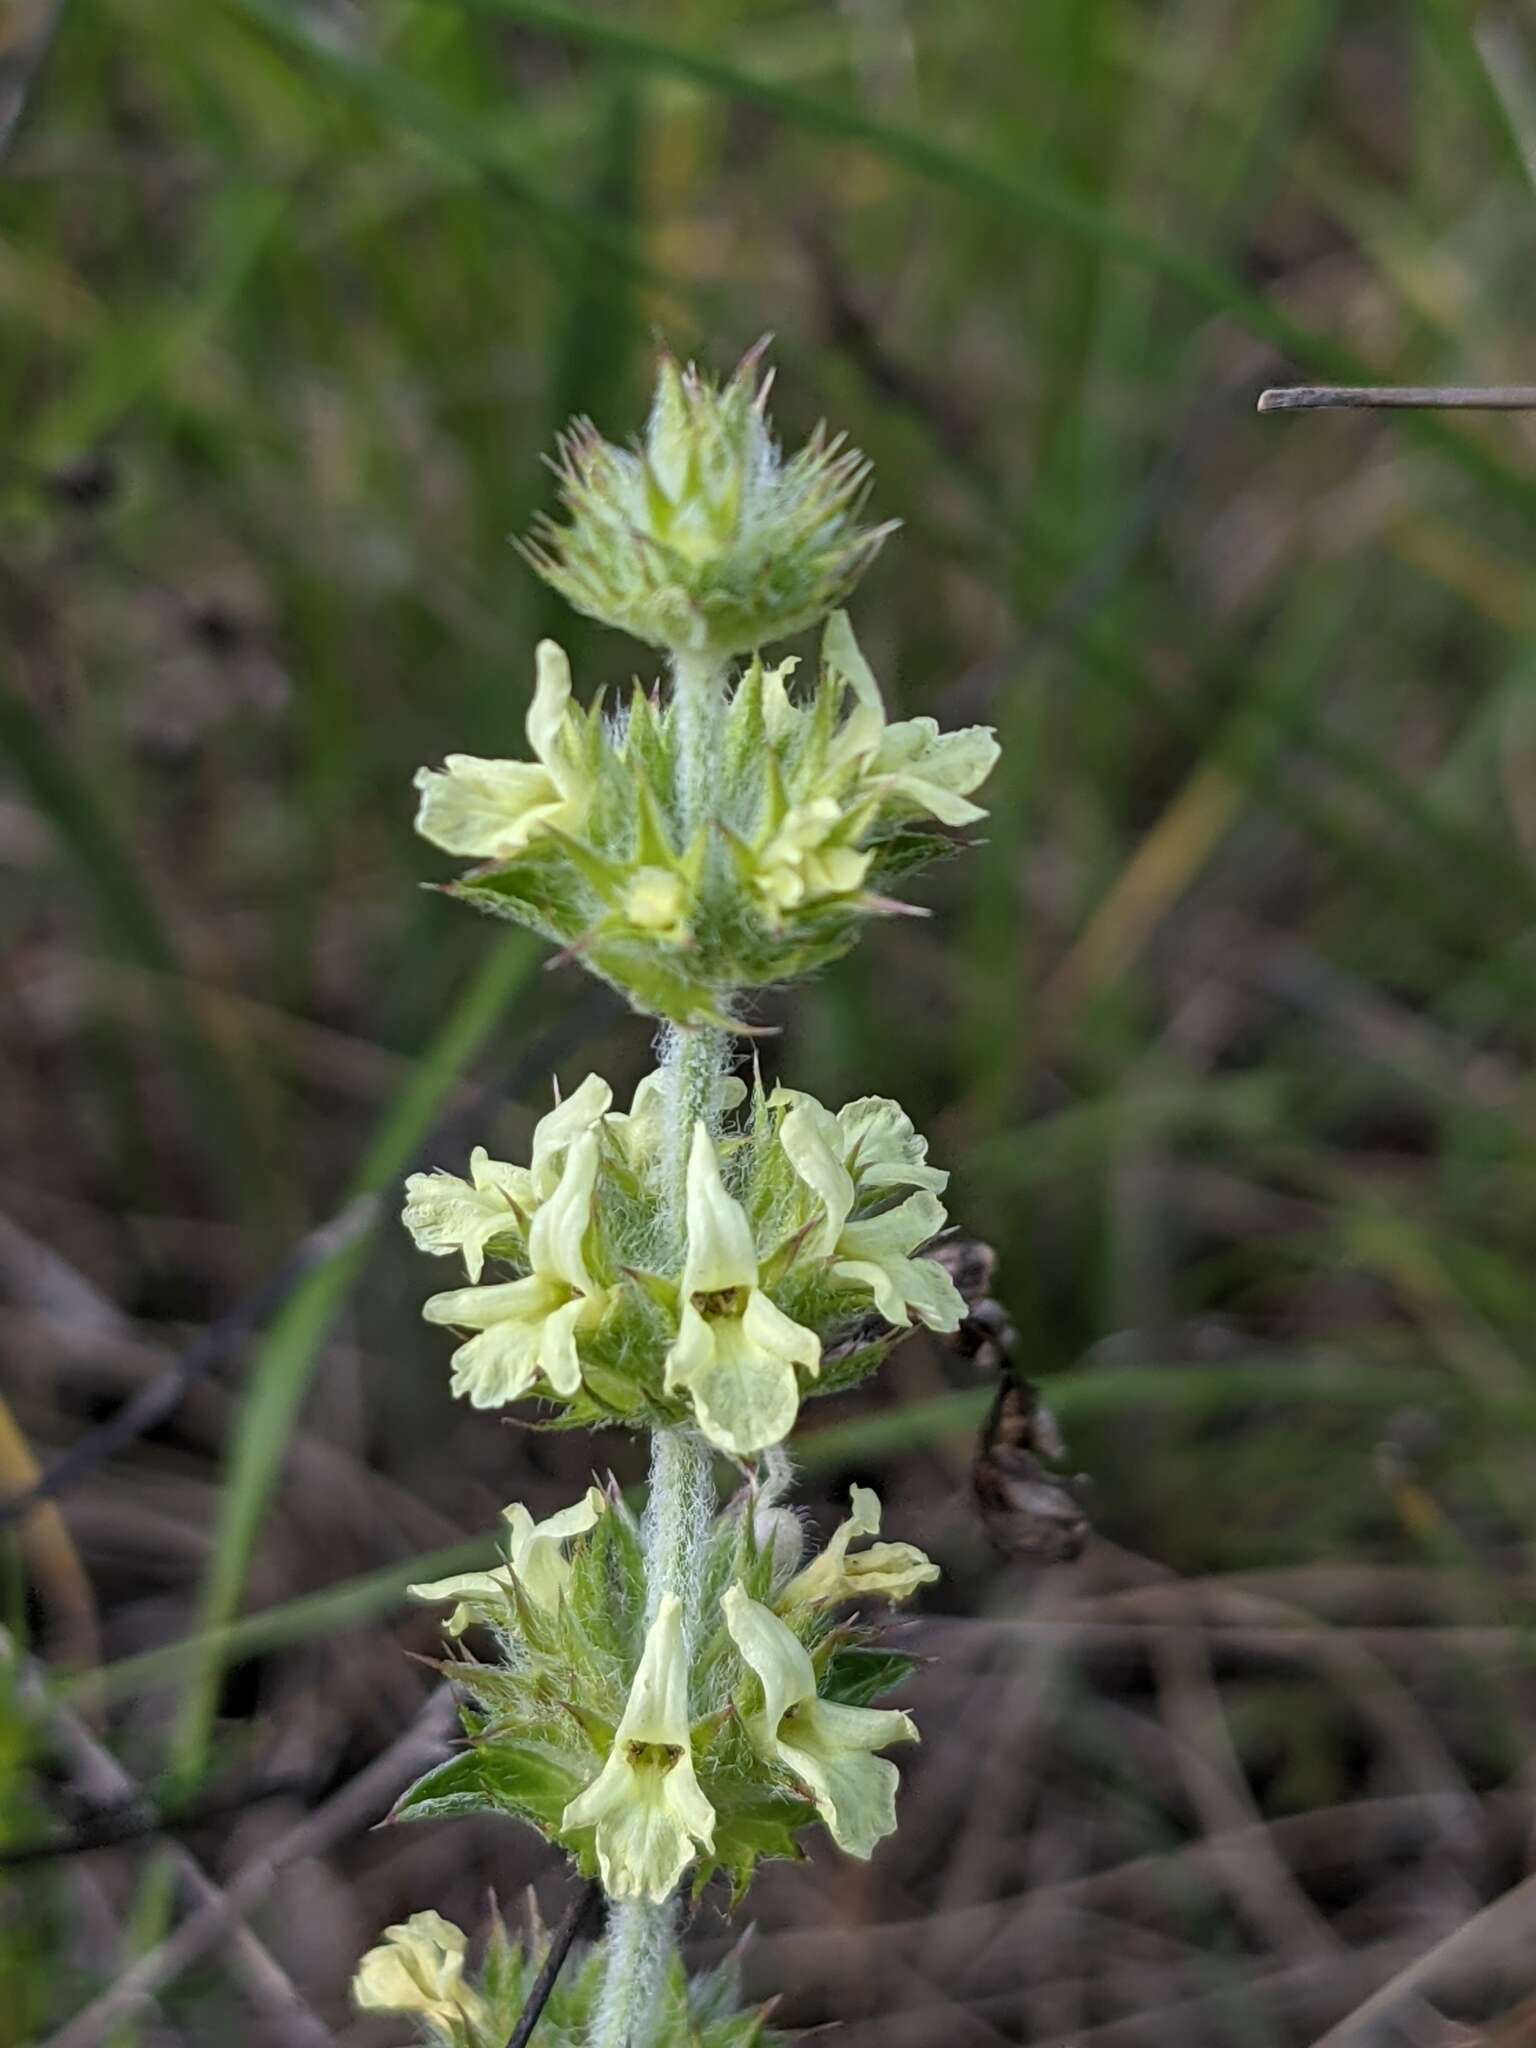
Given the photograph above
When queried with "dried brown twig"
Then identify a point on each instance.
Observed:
(1399, 398)
(357, 1805)
(99, 1775)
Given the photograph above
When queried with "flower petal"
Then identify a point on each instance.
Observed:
(830, 1747)
(551, 701)
(482, 809)
(499, 1366)
(778, 1335)
(881, 1149)
(875, 1252)
(745, 1396)
(538, 1556)
(481, 1596)
(557, 1237)
(720, 1253)
(482, 1308)
(812, 1140)
(933, 770)
(555, 1133)
(777, 1655)
(657, 1707)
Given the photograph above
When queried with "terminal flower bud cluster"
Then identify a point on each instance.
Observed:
(702, 537)
(801, 1228)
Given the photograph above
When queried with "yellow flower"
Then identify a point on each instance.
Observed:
(490, 810)
(911, 764)
(445, 1214)
(646, 1804)
(875, 1148)
(419, 1969)
(536, 1561)
(803, 860)
(829, 1747)
(529, 1327)
(885, 1571)
(735, 1354)
(554, 1134)
(656, 901)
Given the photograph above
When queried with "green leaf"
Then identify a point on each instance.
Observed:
(531, 1780)
(905, 852)
(752, 1824)
(279, 1373)
(446, 1791)
(854, 1677)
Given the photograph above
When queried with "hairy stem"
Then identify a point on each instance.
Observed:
(638, 1943)
(698, 697)
(681, 1498)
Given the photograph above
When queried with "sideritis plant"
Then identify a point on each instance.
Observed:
(676, 1696)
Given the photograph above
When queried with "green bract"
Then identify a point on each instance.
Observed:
(702, 537)
(819, 810)
(647, 1761)
(797, 1268)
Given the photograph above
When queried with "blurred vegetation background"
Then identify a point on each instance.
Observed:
(1225, 1030)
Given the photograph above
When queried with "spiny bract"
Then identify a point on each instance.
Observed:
(702, 536)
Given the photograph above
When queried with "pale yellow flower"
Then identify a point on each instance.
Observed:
(735, 1353)
(646, 1803)
(884, 1571)
(802, 860)
(536, 1561)
(872, 1251)
(911, 762)
(528, 1328)
(556, 1132)
(829, 1747)
(445, 1214)
(490, 810)
(418, 1969)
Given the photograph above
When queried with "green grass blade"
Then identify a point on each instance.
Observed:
(1199, 1391)
(131, 924)
(284, 1363)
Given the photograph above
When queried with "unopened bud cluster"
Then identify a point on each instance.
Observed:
(702, 538)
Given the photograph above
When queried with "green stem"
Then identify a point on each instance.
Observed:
(637, 1945)
(681, 1500)
(698, 697)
